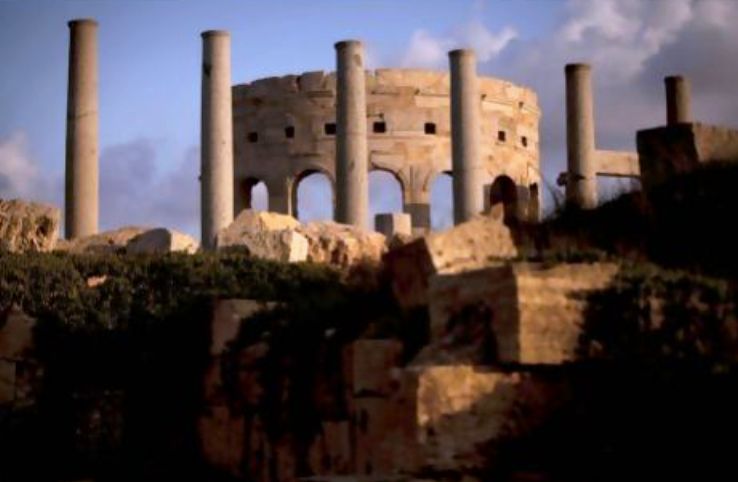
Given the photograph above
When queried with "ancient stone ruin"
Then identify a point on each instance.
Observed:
(501, 346)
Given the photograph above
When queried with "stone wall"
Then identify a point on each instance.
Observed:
(680, 148)
(282, 133)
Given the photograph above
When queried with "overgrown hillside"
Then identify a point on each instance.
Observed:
(683, 223)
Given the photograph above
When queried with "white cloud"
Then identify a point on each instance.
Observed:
(429, 51)
(19, 172)
(425, 50)
(487, 44)
(620, 36)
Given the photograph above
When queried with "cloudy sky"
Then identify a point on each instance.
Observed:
(150, 64)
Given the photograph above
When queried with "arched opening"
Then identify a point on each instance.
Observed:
(385, 193)
(312, 196)
(442, 201)
(505, 192)
(252, 194)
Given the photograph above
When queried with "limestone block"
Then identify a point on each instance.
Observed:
(7, 381)
(312, 81)
(161, 240)
(376, 445)
(221, 439)
(227, 317)
(250, 221)
(480, 242)
(287, 245)
(680, 148)
(460, 411)
(390, 224)
(330, 452)
(250, 378)
(536, 313)
(28, 226)
(265, 235)
(342, 245)
(106, 242)
(16, 334)
(371, 364)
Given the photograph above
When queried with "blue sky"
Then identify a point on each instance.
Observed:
(150, 85)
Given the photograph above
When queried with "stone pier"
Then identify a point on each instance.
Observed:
(352, 170)
(81, 183)
(581, 181)
(467, 166)
(216, 175)
(678, 100)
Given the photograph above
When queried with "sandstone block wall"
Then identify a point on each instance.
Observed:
(283, 133)
(537, 314)
(680, 148)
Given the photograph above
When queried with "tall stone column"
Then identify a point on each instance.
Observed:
(81, 171)
(678, 100)
(581, 183)
(352, 172)
(467, 166)
(216, 178)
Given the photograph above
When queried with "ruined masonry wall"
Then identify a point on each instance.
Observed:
(405, 100)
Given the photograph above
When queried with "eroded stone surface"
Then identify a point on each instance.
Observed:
(536, 313)
(342, 245)
(680, 148)
(249, 221)
(287, 245)
(28, 226)
(112, 241)
(161, 240)
(483, 241)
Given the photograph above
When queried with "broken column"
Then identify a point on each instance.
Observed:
(216, 178)
(416, 203)
(581, 181)
(468, 170)
(352, 175)
(391, 224)
(678, 102)
(81, 173)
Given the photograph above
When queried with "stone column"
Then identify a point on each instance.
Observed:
(352, 173)
(581, 183)
(216, 178)
(417, 205)
(678, 100)
(81, 173)
(467, 167)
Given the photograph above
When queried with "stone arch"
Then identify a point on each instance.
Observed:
(251, 193)
(386, 192)
(321, 189)
(504, 192)
(442, 200)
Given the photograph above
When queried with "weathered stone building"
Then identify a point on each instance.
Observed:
(285, 128)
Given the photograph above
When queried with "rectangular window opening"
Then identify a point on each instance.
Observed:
(289, 132)
(379, 127)
(430, 128)
(253, 137)
(501, 136)
(330, 129)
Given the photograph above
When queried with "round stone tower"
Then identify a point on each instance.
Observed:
(285, 129)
